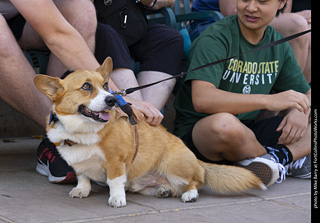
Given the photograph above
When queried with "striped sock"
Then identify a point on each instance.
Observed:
(281, 153)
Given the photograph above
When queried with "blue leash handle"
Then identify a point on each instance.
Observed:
(125, 107)
(120, 100)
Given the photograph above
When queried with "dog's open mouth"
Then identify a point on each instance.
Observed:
(101, 116)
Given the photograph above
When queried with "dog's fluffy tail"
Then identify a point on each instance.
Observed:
(223, 178)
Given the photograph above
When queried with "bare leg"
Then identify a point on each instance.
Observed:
(124, 78)
(16, 85)
(157, 94)
(307, 68)
(291, 23)
(223, 136)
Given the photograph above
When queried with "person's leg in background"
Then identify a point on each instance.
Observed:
(110, 43)
(160, 53)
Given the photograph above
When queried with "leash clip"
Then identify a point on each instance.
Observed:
(122, 92)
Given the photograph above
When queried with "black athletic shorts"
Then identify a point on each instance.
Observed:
(161, 49)
(264, 130)
(16, 25)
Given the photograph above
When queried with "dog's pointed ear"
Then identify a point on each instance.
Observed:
(50, 86)
(106, 68)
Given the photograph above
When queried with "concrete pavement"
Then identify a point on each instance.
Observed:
(25, 196)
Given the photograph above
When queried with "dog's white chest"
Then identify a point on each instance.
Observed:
(85, 159)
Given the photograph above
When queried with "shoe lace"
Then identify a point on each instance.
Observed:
(282, 173)
(282, 170)
(297, 164)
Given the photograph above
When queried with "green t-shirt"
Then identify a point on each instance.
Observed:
(258, 72)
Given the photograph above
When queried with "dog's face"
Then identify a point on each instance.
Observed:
(84, 93)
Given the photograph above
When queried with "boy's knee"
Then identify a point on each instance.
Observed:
(228, 129)
(299, 23)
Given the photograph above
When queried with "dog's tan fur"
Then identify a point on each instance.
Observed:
(105, 152)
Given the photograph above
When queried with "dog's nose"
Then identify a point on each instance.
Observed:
(110, 101)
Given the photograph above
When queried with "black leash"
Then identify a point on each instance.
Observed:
(124, 92)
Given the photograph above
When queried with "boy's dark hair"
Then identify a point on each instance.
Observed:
(281, 10)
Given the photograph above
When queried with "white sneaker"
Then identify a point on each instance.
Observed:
(266, 168)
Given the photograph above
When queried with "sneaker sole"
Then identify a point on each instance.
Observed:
(304, 176)
(262, 169)
(43, 170)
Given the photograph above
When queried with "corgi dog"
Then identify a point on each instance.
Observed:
(95, 137)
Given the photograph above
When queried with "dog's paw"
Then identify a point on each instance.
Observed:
(117, 201)
(163, 193)
(190, 196)
(79, 192)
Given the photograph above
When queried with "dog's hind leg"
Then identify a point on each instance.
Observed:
(164, 191)
(195, 183)
(184, 174)
(161, 191)
(191, 194)
(152, 184)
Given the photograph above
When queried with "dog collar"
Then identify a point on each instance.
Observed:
(54, 118)
(66, 142)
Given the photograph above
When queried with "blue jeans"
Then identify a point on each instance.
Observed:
(197, 27)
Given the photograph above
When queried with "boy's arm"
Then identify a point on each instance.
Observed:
(206, 98)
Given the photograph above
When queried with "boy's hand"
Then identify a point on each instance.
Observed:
(293, 127)
(287, 100)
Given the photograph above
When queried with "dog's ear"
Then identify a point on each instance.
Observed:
(49, 86)
(106, 68)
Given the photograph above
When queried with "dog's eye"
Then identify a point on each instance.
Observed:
(86, 86)
(105, 86)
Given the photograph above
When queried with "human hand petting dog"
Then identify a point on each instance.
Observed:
(153, 115)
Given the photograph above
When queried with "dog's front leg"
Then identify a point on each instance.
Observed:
(83, 187)
(117, 191)
(115, 168)
(117, 178)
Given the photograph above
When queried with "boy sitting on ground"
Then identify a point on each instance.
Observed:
(217, 106)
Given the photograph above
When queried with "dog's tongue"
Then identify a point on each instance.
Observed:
(103, 115)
